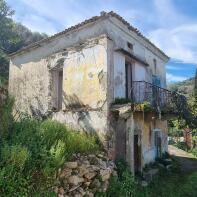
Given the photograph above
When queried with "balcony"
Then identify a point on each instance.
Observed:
(144, 96)
(145, 92)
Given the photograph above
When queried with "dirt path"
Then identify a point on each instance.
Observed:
(188, 161)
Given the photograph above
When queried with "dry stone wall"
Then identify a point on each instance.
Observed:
(85, 175)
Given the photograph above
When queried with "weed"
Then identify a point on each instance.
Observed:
(122, 101)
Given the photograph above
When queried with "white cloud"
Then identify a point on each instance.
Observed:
(170, 67)
(174, 78)
(177, 42)
(166, 14)
(173, 32)
(61, 12)
(39, 24)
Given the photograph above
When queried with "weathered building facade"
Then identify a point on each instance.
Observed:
(77, 75)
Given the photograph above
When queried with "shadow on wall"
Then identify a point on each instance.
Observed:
(37, 109)
(74, 105)
(73, 102)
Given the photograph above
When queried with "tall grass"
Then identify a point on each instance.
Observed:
(33, 151)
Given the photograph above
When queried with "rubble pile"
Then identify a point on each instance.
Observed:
(85, 175)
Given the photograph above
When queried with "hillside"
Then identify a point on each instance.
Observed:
(13, 36)
(185, 87)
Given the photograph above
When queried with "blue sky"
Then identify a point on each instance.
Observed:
(170, 24)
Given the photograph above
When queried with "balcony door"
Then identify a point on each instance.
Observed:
(128, 75)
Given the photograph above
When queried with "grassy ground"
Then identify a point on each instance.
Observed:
(176, 182)
(172, 183)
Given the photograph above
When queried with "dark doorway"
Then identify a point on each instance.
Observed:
(128, 75)
(137, 154)
(158, 144)
(121, 139)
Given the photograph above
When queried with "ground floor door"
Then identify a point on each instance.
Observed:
(158, 146)
(121, 139)
(137, 153)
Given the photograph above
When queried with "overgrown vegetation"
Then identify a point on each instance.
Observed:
(185, 87)
(188, 119)
(186, 105)
(122, 101)
(165, 184)
(32, 151)
(122, 185)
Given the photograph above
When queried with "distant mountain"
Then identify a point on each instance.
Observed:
(185, 87)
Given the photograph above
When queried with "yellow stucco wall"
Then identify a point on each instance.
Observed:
(85, 76)
(147, 123)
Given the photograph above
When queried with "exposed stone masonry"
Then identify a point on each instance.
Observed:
(85, 175)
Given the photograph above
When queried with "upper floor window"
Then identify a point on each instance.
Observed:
(130, 47)
(57, 89)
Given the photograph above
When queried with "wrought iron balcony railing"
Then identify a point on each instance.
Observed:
(142, 91)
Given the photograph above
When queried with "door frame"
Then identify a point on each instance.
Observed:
(137, 133)
(157, 142)
(128, 74)
(121, 138)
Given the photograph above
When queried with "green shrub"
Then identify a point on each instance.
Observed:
(12, 179)
(114, 187)
(35, 151)
(63, 142)
(122, 185)
(6, 118)
(15, 156)
(121, 167)
(3, 81)
(190, 187)
(193, 151)
(52, 131)
(13, 182)
(58, 152)
(148, 106)
(128, 184)
(122, 101)
(181, 145)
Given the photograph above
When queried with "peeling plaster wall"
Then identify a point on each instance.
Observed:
(29, 85)
(143, 125)
(85, 89)
(84, 106)
(130, 142)
(147, 125)
(85, 76)
(89, 121)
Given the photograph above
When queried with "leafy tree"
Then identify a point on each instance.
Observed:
(6, 37)
(13, 36)
(187, 108)
(5, 10)
(195, 85)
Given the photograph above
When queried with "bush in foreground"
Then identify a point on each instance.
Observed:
(122, 185)
(31, 156)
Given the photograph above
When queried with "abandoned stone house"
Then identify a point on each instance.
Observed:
(78, 76)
